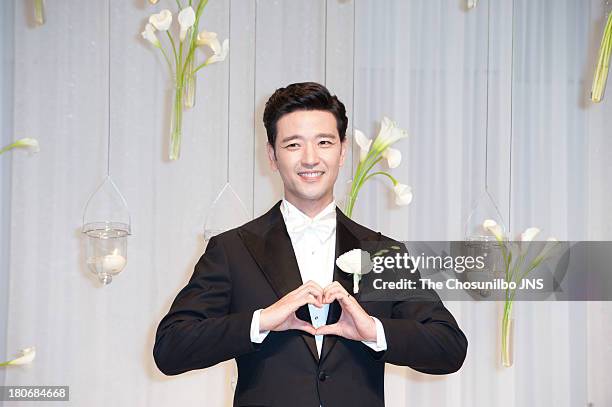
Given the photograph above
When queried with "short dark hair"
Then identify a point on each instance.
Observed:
(302, 96)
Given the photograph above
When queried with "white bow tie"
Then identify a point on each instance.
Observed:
(322, 227)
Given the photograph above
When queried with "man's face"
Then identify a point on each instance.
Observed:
(309, 155)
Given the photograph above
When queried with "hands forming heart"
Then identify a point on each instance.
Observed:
(354, 322)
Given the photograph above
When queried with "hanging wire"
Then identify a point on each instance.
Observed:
(487, 97)
(511, 119)
(353, 102)
(254, 111)
(108, 144)
(229, 95)
(325, 48)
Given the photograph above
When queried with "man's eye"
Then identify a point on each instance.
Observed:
(292, 145)
(327, 142)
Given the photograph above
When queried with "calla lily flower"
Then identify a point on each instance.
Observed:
(209, 38)
(186, 19)
(403, 194)
(393, 157)
(162, 20)
(529, 234)
(364, 144)
(28, 144)
(149, 35)
(27, 356)
(491, 226)
(219, 56)
(389, 134)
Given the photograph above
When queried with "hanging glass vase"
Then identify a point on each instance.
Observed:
(106, 225)
(226, 212)
(176, 119)
(507, 336)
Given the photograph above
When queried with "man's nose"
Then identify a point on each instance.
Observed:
(310, 156)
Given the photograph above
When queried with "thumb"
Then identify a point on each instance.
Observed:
(333, 329)
(302, 326)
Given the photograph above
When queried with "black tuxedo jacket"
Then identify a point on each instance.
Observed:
(253, 266)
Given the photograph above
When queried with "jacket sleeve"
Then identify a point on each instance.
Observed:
(422, 334)
(199, 331)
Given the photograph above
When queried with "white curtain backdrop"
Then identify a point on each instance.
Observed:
(520, 68)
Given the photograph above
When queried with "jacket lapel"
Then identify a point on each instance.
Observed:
(345, 241)
(273, 252)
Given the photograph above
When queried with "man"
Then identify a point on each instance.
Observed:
(269, 294)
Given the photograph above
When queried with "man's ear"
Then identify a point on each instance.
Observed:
(343, 148)
(271, 156)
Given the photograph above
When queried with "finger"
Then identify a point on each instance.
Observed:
(307, 298)
(312, 284)
(334, 293)
(297, 323)
(344, 298)
(333, 329)
(333, 286)
(309, 287)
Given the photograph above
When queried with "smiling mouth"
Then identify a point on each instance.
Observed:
(311, 175)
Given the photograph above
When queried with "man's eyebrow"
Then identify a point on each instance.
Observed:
(289, 138)
(298, 137)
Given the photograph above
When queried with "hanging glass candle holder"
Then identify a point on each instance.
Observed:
(226, 212)
(106, 225)
(481, 242)
(484, 209)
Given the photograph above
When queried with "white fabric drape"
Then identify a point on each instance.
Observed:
(421, 62)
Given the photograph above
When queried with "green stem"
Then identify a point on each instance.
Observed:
(167, 59)
(381, 173)
(176, 58)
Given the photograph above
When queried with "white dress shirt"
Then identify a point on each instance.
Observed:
(314, 244)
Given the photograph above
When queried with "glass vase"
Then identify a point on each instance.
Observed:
(189, 94)
(176, 121)
(507, 337)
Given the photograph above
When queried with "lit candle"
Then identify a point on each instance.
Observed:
(113, 263)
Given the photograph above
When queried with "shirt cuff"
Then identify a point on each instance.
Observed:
(380, 343)
(256, 335)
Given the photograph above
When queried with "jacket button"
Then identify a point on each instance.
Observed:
(322, 376)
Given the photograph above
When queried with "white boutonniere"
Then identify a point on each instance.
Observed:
(356, 262)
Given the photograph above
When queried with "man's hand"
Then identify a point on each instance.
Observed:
(280, 316)
(354, 322)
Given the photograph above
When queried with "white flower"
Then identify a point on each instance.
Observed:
(364, 144)
(161, 20)
(529, 234)
(393, 156)
(153, 1)
(28, 144)
(219, 56)
(186, 19)
(27, 356)
(149, 35)
(209, 38)
(403, 194)
(491, 226)
(389, 133)
(471, 3)
(356, 262)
